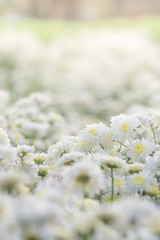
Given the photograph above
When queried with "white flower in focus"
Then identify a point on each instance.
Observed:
(142, 183)
(139, 149)
(124, 126)
(93, 135)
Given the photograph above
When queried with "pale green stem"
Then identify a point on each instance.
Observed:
(120, 148)
(154, 136)
(101, 146)
(112, 184)
(22, 162)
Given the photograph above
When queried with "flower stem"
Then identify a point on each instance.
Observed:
(154, 136)
(120, 148)
(112, 184)
(22, 162)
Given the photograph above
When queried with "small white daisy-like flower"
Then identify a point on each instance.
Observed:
(139, 149)
(119, 184)
(39, 158)
(154, 119)
(153, 163)
(124, 126)
(42, 171)
(70, 158)
(81, 146)
(84, 177)
(135, 167)
(57, 150)
(112, 162)
(94, 134)
(141, 183)
(144, 117)
(22, 150)
(152, 190)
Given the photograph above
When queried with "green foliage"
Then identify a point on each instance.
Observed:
(53, 29)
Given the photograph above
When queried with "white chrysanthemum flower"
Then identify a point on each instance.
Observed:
(106, 141)
(38, 158)
(43, 170)
(135, 167)
(70, 158)
(154, 119)
(22, 150)
(153, 163)
(84, 177)
(57, 150)
(119, 185)
(81, 146)
(93, 135)
(139, 149)
(112, 162)
(144, 116)
(142, 183)
(124, 126)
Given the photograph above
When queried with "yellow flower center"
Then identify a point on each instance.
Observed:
(118, 183)
(108, 198)
(83, 178)
(113, 154)
(153, 190)
(139, 179)
(139, 148)
(93, 131)
(124, 127)
(52, 168)
(135, 169)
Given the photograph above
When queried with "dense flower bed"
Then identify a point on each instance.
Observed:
(70, 168)
(66, 192)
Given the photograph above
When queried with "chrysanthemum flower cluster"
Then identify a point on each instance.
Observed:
(69, 191)
(58, 182)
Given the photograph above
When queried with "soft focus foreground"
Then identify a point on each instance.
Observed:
(58, 182)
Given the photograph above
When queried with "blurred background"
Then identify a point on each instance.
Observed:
(78, 9)
(85, 60)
